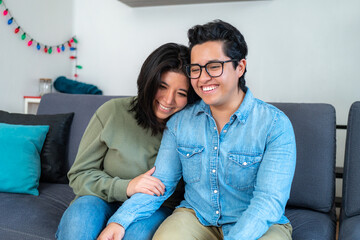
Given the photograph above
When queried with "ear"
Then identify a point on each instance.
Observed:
(241, 67)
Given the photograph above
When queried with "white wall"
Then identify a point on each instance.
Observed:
(47, 21)
(299, 51)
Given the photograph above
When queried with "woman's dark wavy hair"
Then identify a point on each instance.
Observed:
(234, 45)
(168, 57)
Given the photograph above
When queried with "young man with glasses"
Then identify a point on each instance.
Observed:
(235, 153)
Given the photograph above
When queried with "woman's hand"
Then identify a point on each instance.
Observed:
(145, 183)
(113, 231)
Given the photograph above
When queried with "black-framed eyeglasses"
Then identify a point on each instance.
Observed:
(213, 68)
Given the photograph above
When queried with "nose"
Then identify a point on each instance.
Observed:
(169, 97)
(204, 76)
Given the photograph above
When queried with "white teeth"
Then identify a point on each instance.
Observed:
(165, 108)
(205, 89)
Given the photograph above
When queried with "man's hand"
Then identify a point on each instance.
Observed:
(147, 184)
(113, 231)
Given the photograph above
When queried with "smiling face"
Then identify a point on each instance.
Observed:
(219, 91)
(171, 96)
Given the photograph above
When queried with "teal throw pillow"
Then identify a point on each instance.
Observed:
(20, 166)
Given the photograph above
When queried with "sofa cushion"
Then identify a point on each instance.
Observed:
(31, 217)
(314, 125)
(349, 228)
(54, 150)
(20, 148)
(308, 224)
(351, 186)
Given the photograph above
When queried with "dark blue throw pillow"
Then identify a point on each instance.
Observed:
(54, 151)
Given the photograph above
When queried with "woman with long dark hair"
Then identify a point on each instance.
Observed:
(119, 147)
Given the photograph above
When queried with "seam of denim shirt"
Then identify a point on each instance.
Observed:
(273, 124)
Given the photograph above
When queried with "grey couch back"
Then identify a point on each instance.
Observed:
(351, 184)
(314, 125)
(84, 107)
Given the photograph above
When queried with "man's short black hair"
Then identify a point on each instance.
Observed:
(234, 45)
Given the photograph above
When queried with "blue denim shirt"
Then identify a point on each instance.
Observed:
(238, 179)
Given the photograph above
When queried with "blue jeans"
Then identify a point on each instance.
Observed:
(87, 217)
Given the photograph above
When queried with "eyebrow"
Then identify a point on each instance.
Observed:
(210, 61)
(179, 89)
(183, 90)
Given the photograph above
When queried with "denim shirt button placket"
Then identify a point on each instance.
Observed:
(213, 173)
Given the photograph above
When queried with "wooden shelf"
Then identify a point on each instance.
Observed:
(150, 3)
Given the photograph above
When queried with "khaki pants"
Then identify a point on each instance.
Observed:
(184, 225)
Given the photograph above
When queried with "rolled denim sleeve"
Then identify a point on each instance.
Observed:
(168, 170)
(273, 183)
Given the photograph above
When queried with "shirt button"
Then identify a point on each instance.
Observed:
(215, 128)
(225, 131)
(215, 148)
(217, 212)
(215, 191)
(214, 171)
(245, 163)
(187, 155)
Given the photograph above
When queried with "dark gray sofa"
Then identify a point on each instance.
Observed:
(350, 211)
(311, 204)
(311, 207)
(28, 217)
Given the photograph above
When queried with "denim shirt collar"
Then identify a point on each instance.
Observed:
(241, 114)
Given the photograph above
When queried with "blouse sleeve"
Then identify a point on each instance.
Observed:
(86, 176)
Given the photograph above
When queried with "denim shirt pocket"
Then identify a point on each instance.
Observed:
(241, 170)
(191, 163)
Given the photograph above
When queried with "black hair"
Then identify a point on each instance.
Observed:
(234, 45)
(168, 57)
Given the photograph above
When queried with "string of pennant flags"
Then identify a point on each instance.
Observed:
(70, 44)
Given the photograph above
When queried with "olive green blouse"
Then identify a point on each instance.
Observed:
(113, 150)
